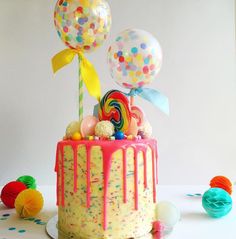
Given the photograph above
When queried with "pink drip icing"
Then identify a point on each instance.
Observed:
(106, 173)
(62, 179)
(88, 195)
(135, 180)
(156, 153)
(56, 170)
(154, 176)
(145, 168)
(75, 167)
(108, 148)
(124, 176)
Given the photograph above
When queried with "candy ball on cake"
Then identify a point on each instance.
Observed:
(119, 135)
(221, 182)
(216, 202)
(145, 131)
(72, 128)
(87, 126)
(104, 129)
(10, 192)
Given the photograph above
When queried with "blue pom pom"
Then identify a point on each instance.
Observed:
(119, 135)
(217, 202)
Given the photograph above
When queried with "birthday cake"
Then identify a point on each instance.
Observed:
(107, 163)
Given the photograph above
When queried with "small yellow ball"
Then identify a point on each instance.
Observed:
(130, 137)
(76, 136)
(91, 138)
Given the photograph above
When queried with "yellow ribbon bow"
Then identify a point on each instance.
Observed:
(87, 70)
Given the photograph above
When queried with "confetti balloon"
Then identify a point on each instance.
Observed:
(134, 58)
(82, 24)
(114, 107)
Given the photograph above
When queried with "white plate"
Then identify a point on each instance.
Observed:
(52, 230)
(51, 227)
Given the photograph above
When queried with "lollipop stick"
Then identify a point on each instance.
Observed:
(81, 92)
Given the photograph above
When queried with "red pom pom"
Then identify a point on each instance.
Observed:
(221, 182)
(10, 192)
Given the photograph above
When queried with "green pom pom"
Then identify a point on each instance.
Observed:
(28, 180)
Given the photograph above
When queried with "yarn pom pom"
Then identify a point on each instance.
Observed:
(29, 203)
(10, 192)
(221, 182)
(217, 202)
(28, 180)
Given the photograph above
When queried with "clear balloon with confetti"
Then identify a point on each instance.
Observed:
(82, 24)
(134, 58)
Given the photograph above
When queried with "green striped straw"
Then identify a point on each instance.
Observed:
(81, 92)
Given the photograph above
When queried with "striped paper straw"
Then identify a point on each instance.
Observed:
(81, 92)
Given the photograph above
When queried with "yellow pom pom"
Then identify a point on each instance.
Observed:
(76, 136)
(29, 203)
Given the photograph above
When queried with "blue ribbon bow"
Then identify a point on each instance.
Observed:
(155, 97)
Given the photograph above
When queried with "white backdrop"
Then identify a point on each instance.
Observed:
(196, 142)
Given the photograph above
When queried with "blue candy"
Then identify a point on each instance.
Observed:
(119, 135)
(217, 202)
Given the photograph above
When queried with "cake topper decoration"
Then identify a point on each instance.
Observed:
(135, 58)
(83, 26)
(114, 106)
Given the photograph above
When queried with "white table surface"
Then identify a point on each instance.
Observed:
(194, 223)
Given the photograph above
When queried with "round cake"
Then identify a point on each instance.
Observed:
(106, 189)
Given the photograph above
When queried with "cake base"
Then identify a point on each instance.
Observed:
(52, 231)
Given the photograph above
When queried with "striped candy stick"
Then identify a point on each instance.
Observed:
(81, 92)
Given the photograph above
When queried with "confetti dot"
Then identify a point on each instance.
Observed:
(145, 70)
(11, 228)
(65, 29)
(81, 21)
(119, 53)
(92, 25)
(134, 50)
(143, 46)
(118, 38)
(86, 47)
(41, 223)
(79, 39)
(80, 9)
(146, 60)
(152, 67)
(6, 215)
(121, 59)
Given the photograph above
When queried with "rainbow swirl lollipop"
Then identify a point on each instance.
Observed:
(114, 107)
